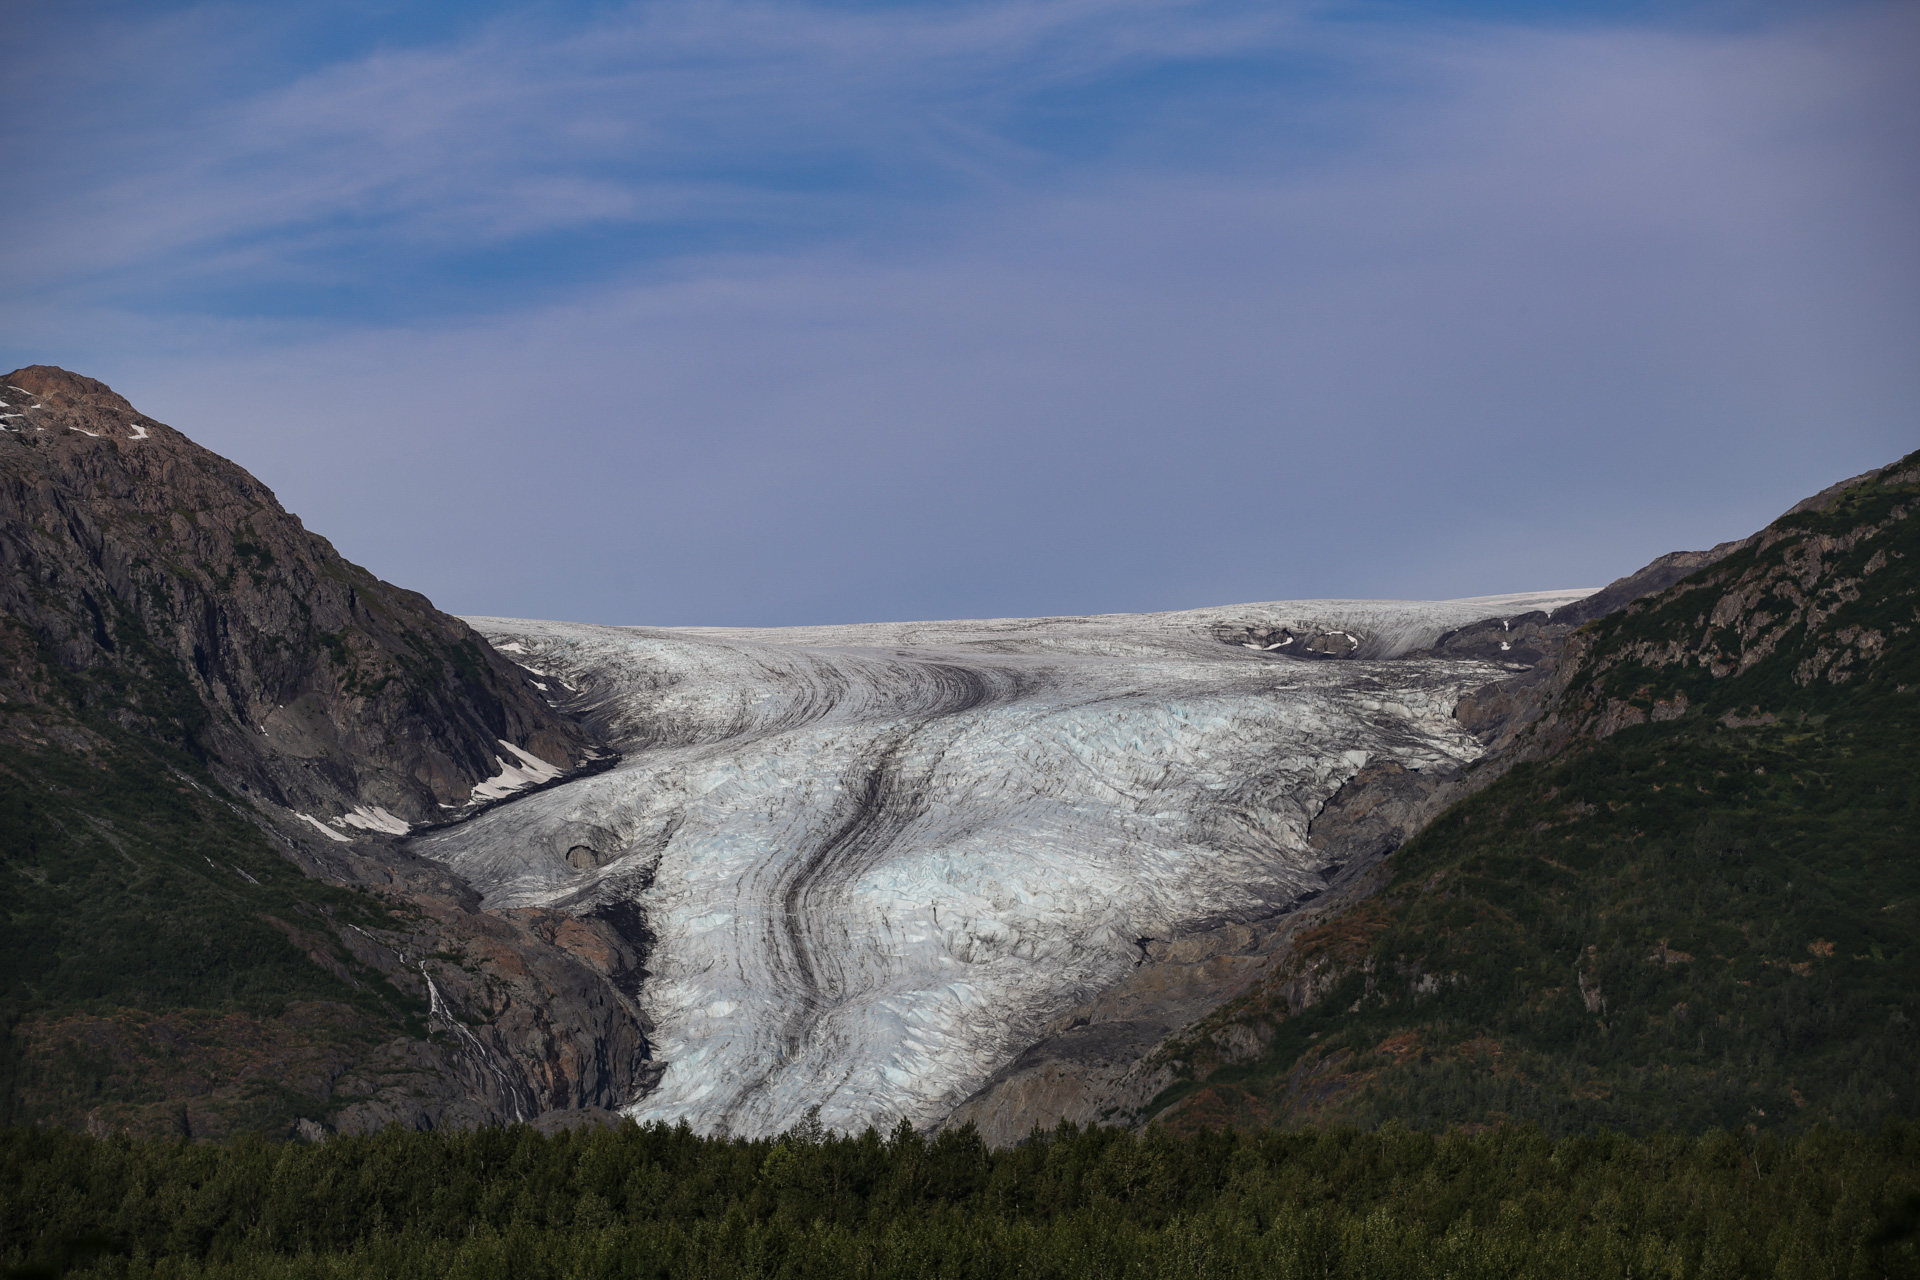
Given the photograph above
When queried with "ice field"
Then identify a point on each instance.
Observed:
(875, 859)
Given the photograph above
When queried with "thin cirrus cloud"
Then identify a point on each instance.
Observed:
(752, 313)
(702, 117)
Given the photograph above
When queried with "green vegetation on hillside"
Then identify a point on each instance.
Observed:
(1684, 926)
(158, 952)
(1709, 917)
(656, 1202)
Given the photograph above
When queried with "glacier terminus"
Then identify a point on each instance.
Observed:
(873, 861)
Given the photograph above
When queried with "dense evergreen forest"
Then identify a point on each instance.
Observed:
(659, 1202)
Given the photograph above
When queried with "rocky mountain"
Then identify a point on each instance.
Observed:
(130, 554)
(1683, 893)
(285, 849)
(212, 728)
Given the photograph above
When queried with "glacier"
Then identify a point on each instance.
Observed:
(876, 860)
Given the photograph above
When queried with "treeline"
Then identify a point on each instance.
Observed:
(660, 1202)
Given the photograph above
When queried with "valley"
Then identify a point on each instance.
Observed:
(288, 851)
(875, 861)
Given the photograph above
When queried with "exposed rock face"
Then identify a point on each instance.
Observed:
(1655, 577)
(132, 554)
(879, 862)
(151, 590)
(520, 1015)
(1517, 716)
(1779, 598)
(530, 1011)
(1663, 572)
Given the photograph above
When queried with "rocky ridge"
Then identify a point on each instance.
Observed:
(197, 692)
(314, 686)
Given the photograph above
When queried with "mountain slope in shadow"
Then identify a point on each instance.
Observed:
(212, 727)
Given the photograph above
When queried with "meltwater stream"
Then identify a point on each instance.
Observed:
(877, 859)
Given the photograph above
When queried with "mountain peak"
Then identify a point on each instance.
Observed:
(51, 382)
(310, 684)
(46, 398)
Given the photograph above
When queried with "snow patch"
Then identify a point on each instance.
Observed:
(321, 827)
(531, 771)
(139, 432)
(83, 431)
(374, 819)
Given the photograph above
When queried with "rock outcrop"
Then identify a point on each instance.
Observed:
(177, 645)
(180, 590)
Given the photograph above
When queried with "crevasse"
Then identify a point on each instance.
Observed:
(876, 860)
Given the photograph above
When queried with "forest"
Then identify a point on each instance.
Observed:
(638, 1202)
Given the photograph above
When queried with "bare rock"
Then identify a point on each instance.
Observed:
(219, 622)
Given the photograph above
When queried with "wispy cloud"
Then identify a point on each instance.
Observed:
(686, 112)
(1390, 309)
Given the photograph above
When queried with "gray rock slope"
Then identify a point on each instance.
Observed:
(170, 576)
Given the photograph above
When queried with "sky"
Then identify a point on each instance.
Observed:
(738, 312)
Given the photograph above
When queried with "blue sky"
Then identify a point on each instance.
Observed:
(711, 311)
